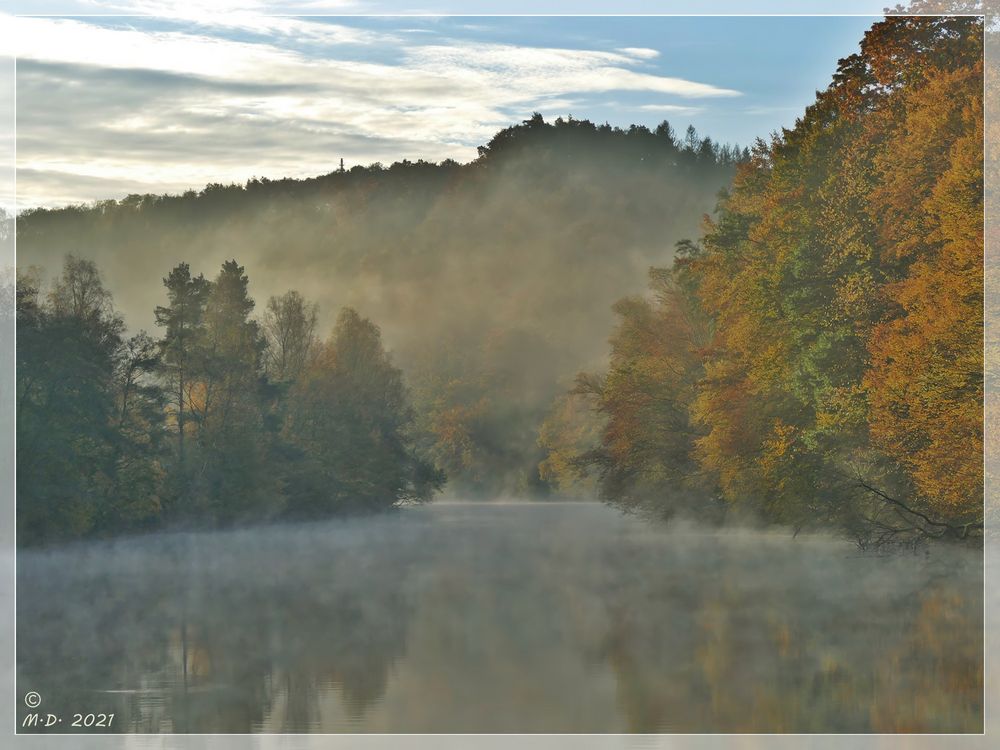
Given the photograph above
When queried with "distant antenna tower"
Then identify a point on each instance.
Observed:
(341, 165)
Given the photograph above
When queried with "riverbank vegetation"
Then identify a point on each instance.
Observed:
(223, 419)
(816, 359)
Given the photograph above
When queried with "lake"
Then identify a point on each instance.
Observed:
(500, 617)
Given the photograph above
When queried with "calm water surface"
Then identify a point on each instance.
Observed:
(497, 618)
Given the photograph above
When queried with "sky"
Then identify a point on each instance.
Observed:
(112, 105)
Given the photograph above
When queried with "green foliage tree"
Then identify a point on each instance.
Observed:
(290, 329)
(348, 417)
(228, 403)
(139, 447)
(85, 456)
(183, 319)
(96, 411)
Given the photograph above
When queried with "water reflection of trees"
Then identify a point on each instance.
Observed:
(225, 647)
(513, 619)
(787, 651)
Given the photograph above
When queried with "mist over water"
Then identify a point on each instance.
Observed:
(501, 617)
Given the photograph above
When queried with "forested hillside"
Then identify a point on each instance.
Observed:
(816, 358)
(491, 281)
(809, 350)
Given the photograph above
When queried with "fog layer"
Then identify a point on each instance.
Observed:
(492, 282)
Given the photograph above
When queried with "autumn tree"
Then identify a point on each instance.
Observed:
(645, 457)
(572, 428)
(925, 385)
(843, 273)
(839, 379)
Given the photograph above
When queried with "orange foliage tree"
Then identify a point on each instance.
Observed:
(842, 281)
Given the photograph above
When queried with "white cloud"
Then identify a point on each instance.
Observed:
(253, 17)
(6, 133)
(643, 53)
(678, 109)
(200, 10)
(100, 105)
(549, 69)
(77, 42)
